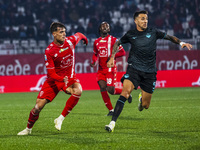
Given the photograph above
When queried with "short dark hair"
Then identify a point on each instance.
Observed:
(55, 25)
(136, 14)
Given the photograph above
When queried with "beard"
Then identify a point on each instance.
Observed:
(143, 28)
(104, 33)
(60, 42)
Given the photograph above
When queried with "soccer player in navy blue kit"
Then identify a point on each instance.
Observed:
(141, 70)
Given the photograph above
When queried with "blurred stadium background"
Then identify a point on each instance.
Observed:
(24, 28)
(171, 123)
(24, 24)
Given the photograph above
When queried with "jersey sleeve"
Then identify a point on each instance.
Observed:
(48, 61)
(95, 53)
(160, 34)
(51, 68)
(79, 36)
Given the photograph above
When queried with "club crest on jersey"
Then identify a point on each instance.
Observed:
(134, 38)
(148, 35)
(126, 76)
(63, 49)
(103, 53)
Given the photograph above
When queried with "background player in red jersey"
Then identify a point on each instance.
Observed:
(106, 77)
(60, 64)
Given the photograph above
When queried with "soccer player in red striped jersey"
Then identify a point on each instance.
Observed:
(106, 77)
(60, 64)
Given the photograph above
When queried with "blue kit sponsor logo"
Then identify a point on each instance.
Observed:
(148, 35)
(126, 76)
(134, 38)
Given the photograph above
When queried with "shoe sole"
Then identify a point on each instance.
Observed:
(24, 134)
(108, 129)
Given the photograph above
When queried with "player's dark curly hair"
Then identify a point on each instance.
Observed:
(101, 24)
(136, 14)
(55, 25)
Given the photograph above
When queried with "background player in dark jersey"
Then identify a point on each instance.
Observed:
(60, 64)
(106, 77)
(141, 70)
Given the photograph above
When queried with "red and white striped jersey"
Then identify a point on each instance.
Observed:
(60, 59)
(102, 48)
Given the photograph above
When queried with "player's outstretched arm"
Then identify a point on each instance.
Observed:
(178, 41)
(81, 36)
(110, 63)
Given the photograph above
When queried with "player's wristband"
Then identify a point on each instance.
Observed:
(181, 43)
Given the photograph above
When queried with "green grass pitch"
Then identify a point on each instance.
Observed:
(171, 123)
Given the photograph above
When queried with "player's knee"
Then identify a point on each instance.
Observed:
(102, 89)
(111, 90)
(125, 93)
(77, 91)
(145, 105)
(102, 85)
(40, 103)
(37, 108)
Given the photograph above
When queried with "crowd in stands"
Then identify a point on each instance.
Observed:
(25, 19)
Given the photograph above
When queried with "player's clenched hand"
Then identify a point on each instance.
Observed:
(110, 63)
(92, 64)
(85, 41)
(189, 46)
(108, 59)
(65, 79)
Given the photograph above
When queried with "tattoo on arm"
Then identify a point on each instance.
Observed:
(115, 48)
(172, 39)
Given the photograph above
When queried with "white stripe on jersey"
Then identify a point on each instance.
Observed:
(109, 46)
(109, 50)
(72, 48)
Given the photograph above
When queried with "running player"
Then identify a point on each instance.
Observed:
(141, 69)
(60, 64)
(106, 77)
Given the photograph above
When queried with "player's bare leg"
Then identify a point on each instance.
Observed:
(34, 115)
(75, 90)
(127, 89)
(144, 100)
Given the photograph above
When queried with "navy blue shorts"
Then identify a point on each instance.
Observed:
(146, 81)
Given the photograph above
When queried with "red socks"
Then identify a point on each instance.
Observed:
(33, 117)
(106, 100)
(71, 102)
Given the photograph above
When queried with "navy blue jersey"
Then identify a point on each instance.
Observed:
(142, 54)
